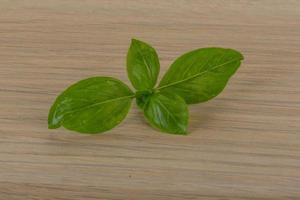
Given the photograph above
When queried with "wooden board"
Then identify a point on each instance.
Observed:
(244, 144)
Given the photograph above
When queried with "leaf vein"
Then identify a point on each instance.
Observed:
(99, 103)
(196, 75)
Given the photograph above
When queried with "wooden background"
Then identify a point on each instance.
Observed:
(244, 144)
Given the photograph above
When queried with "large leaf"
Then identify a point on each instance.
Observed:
(92, 105)
(201, 74)
(167, 112)
(142, 65)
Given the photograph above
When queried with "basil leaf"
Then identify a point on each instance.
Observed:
(142, 65)
(167, 112)
(142, 97)
(201, 74)
(93, 105)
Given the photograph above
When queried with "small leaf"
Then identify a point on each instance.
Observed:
(93, 105)
(167, 112)
(142, 65)
(201, 74)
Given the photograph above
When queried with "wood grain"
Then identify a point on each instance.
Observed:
(245, 144)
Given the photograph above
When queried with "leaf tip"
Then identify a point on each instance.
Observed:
(134, 40)
(52, 126)
(53, 122)
(239, 54)
(184, 132)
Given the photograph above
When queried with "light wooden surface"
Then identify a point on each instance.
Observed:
(245, 144)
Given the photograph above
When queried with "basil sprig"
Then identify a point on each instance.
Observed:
(98, 104)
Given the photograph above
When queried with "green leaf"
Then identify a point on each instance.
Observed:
(167, 112)
(142, 97)
(201, 74)
(142, 65)
(93, 105)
